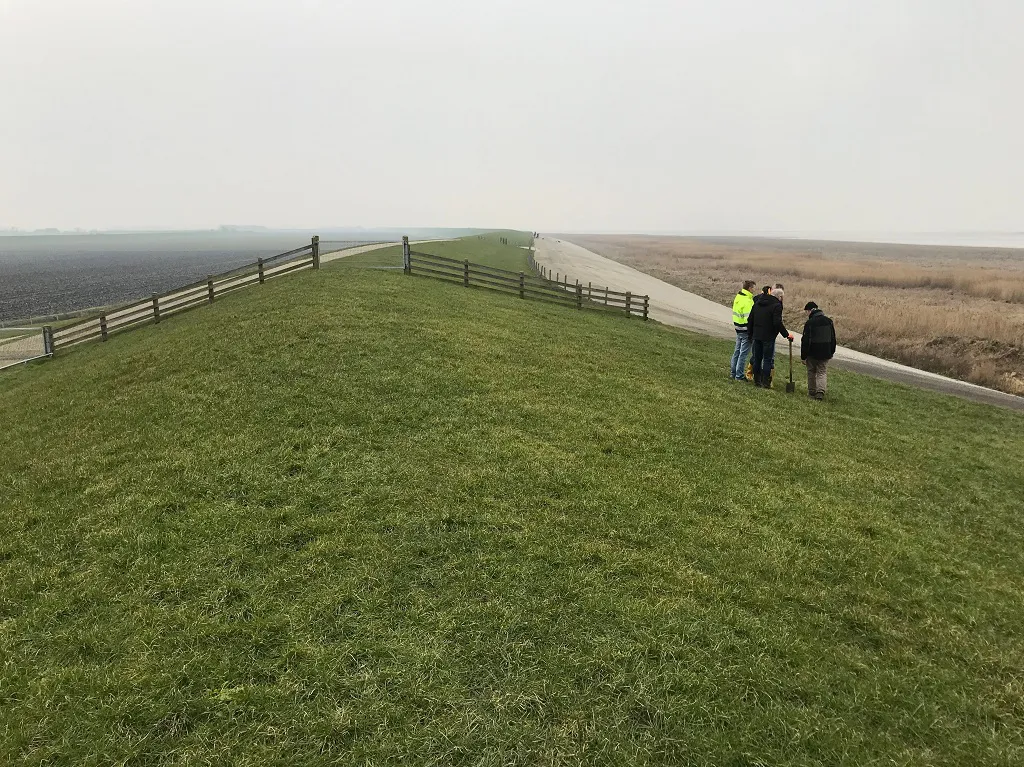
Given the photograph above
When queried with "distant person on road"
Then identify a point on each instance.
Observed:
(740, 313)
(765, 323)
(817, 347)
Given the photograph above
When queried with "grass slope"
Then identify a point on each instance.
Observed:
(357, 517)
(484, 249)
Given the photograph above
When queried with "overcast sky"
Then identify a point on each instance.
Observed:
(583, 115)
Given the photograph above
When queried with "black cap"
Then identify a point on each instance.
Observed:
(810, 305)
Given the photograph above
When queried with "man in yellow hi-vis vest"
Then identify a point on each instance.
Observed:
(741, 306)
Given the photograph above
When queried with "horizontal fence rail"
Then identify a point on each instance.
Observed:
(524, 285)
(160, 305)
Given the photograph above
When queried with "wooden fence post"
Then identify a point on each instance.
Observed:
(47, 340)
(588, 291)
(606, 295)
(522, 285)
(579, 295)
(647, 302)
(316, 251)
(259, 266)
(629, 310)
(465, 273)
(209, 287)
(103, 327)
(406, 255)
(156, 308)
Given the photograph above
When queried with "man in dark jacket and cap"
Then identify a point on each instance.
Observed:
(817, 347)
(765, 322)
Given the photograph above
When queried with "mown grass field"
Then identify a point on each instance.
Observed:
(354, 517)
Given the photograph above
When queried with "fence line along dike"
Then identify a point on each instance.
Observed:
(160, 305)
(22, 345)
(537, 287)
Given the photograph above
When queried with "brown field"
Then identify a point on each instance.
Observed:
(951, 310)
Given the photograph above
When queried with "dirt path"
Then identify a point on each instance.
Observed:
(674, 306)
(335, 254)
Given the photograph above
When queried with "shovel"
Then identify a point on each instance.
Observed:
(790, 387)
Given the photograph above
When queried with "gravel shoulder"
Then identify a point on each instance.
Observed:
(673, 306)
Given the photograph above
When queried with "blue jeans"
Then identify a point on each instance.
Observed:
(763, 359)
(739, 356)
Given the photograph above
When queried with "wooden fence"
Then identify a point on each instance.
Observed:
(537, 288)
(161, 305)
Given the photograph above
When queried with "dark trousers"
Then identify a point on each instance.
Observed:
(762, 360)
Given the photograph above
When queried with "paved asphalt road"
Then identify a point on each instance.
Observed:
(674, 306)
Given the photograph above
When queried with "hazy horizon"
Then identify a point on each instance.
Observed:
(659, 117)
(231, 228)
(965, 239)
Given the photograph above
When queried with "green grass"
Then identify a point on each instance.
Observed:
(355, 517)
(485, 249)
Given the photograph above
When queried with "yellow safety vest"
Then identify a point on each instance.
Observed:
(741, 307)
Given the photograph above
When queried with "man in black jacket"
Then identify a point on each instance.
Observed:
(817, 347)
(765, 323)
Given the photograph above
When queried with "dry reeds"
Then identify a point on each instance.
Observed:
(980, 282)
